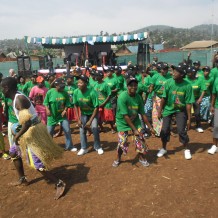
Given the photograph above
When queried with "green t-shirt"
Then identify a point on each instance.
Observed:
(47, 85)
(124, 86)
(147, 83)
(2, 98)
(27, 87)
(153, 72)
(198, 86)
(214, 73)
(20, 87)
(120, 81)
(87, 101)
(138, 76)
(168, 75)
(177, 96)
(158, 81)
(9, 107)
(112, 83)
(215, 91)
(209, 85)
(70, 91)
(200, 73)
(103, 91)
(131, 106)
(56, 102)
(75, 81)
(92, 82)
(141, 88)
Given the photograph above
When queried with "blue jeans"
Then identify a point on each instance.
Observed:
(66, 128)
(95, 131)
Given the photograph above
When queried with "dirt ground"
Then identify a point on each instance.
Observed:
(170, 187)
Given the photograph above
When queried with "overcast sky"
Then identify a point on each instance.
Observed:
(19, 18)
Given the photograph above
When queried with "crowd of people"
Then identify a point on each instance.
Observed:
(142, 102)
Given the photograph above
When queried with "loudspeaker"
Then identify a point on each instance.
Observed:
(143, 48)
(140, 59)
(24, 66)
(143, 55)
(65, 60)
(20, 64)
(27, 63)
(42, 63)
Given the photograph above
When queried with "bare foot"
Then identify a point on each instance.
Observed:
(21, 182)
(57, 134)
(113, 131)
(88, 133)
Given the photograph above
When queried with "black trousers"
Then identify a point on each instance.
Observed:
(181, 120)
(196, 108)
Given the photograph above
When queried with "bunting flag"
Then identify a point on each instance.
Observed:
(119, 39)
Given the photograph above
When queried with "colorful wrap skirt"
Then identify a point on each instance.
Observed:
(139, 141)
(157, 123)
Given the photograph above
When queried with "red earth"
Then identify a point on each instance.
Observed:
(170, 187)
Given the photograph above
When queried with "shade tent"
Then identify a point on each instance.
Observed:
(95, 49)
(59, 42)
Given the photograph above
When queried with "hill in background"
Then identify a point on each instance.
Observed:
(179, 37)
(171, 37)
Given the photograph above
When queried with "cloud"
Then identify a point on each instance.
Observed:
(70, 17)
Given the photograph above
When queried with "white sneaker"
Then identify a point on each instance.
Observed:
(82, 152)
(73, 149)
(187, 154)
(144, 163)
(200, 130)
(213, 149)
(162, 152)
(100, 151)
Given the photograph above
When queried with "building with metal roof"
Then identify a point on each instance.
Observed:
(199, 45)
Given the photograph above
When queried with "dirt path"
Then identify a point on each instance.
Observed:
(170, 187)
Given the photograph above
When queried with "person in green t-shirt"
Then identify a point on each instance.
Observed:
(87, 100)
(120, 79)
(199, 89)
(129, 106)
(205, 103)
(176, 100)
(138, 73)
(197, 66)
(4, 154)
(153, 70)
(70, 87)
(214, 71)
(50, 79)
(30, 84)
(112, 82)
(20, 83)
(11, 117)
(157, 86)
(149, 95)
(105, 107)
(77, 72)
(214, 110)
(92, 80)
(57, 102)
